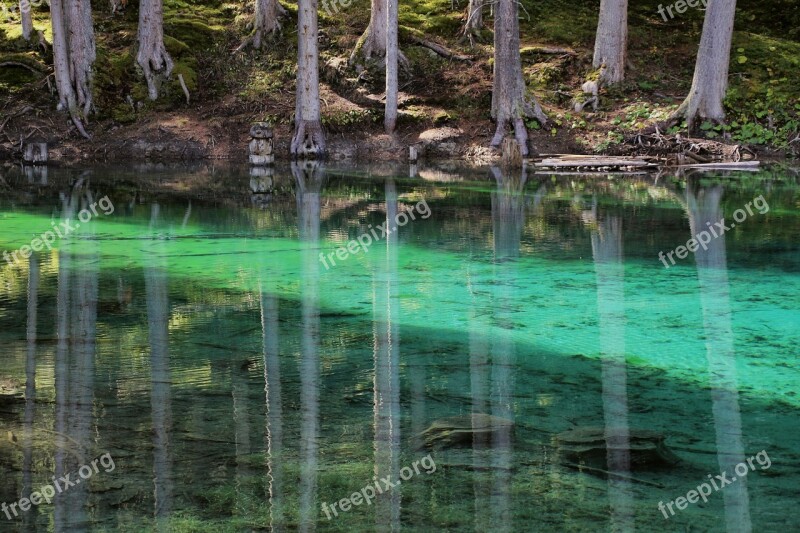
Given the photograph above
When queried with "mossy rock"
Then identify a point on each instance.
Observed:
(466, 430)
(590, 446)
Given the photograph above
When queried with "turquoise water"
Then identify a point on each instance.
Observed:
(190, 333)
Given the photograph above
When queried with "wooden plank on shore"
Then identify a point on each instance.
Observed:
(593, 162)
(589, 172)
(733, 165)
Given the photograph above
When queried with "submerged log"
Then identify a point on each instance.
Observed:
(590, 446)
(464, 430)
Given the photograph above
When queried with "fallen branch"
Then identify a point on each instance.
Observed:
(613, 474)
(696, 150)
(24, 110)
(22, 65)
(185, 89)
(439, 49)
(546, 50)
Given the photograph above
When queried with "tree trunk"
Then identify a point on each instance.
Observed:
(711, 70)
(152, 55)
(372, 44)
(27, 19)
(73, 56)
(390, 115)
(266, 23)
(309, 139)
(611, 43)
(474, 24)
(82, 51)
(510, 104)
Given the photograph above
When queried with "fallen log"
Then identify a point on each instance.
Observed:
(439, 49)
(594, 163)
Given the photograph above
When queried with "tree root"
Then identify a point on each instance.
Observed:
(308, 141)
(264, 30)
(153, 57)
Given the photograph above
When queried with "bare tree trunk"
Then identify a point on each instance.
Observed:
(73, 56)
(392, 51)
(510, 104)
(82, 51)
(309, 139)
(474, 24)
(611, 43)
(27, 20)
(711, 70)
(266, 23)
(152, 55)
(372, 44)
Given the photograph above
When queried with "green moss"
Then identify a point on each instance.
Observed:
(193, 33)
(176, 48)
(14, 77)
(123, 113)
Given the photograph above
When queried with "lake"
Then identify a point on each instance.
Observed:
(331, 348)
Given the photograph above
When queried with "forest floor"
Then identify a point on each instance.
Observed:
(444, 101)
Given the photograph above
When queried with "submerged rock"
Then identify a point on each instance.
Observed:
(10, 392)
(464, 430)
(590, 446)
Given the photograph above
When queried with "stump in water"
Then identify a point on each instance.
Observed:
(510, 153)
(590, 446)
(36, 153)
(463, 430)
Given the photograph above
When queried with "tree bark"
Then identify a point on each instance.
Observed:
(152, 56)
(266, 23)
(392, 51)
(510, 103)
(710, 81)
(73, 57)
(309, 139)
(27, 19)
(611, 43)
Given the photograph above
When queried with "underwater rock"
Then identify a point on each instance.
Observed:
(10, 393)
(463, 430)
(590, 446)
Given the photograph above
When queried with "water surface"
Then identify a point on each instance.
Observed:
(241, 383)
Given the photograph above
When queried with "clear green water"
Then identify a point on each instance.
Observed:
(195, 336)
